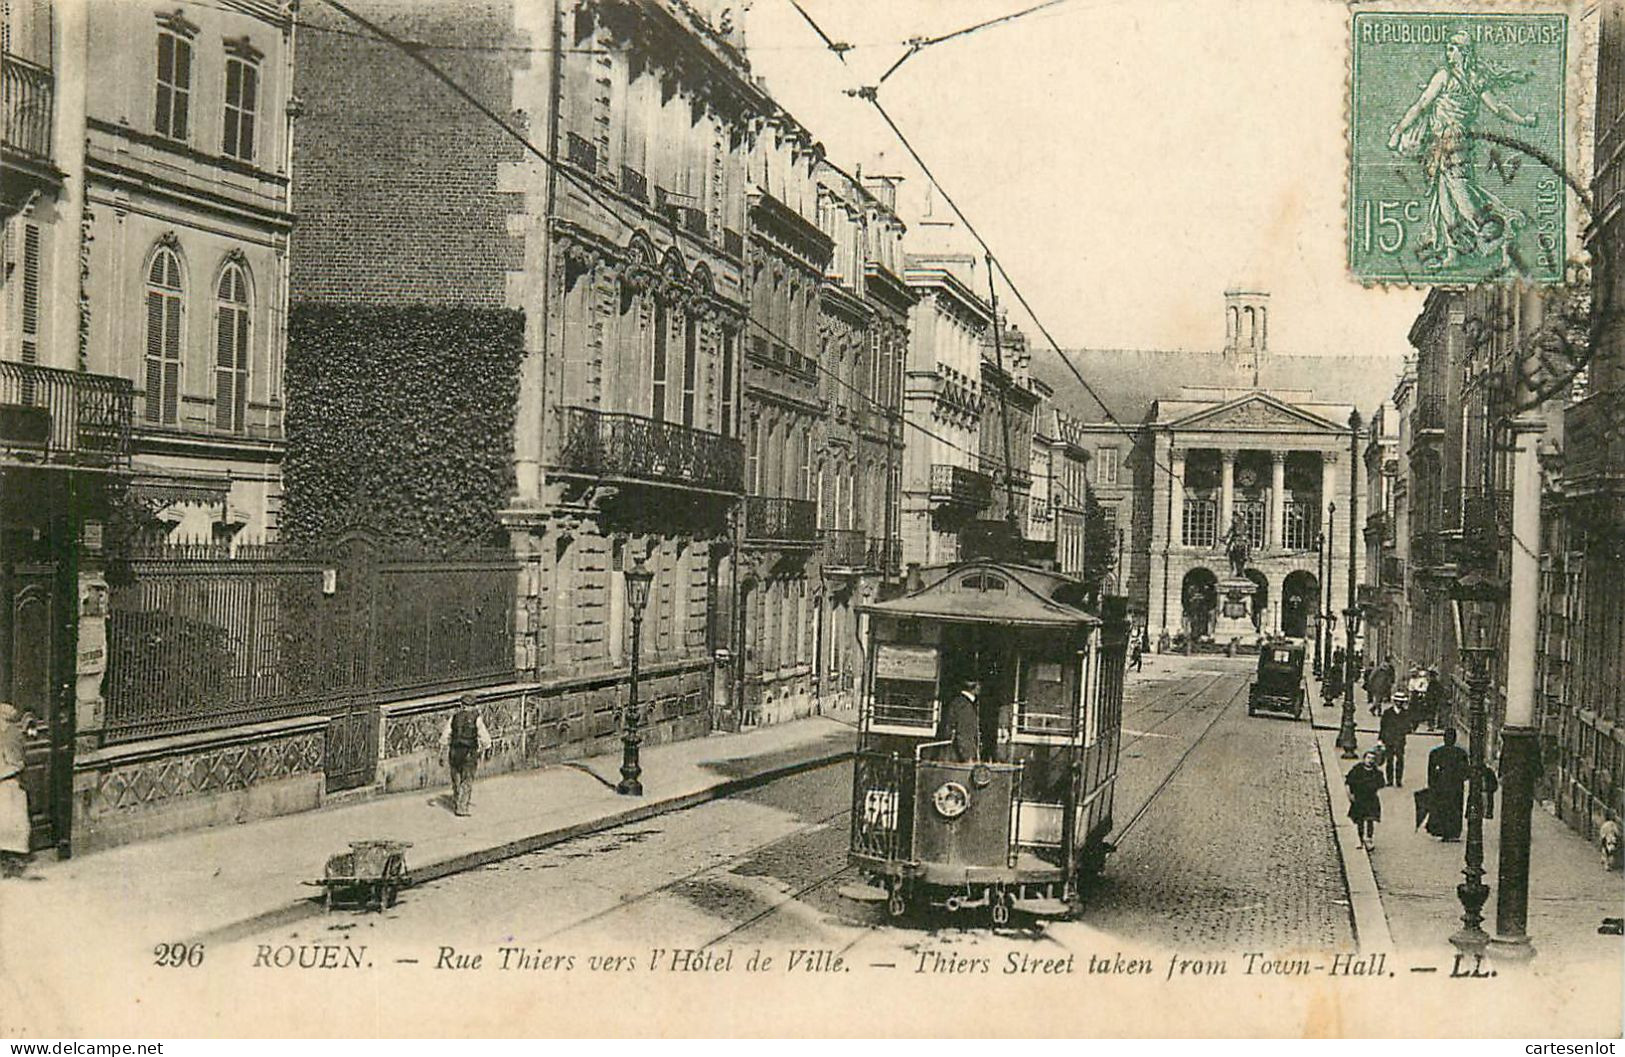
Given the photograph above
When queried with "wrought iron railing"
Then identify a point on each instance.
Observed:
(1429, 414)
(1477, 511)
(695, 221)
(993, 467)
(29, 101)
(580, 152)
(785, 521)
(51, 415)
(1393, 570)
(637, 448)
(200, 641)
(1594, 439)
(885, 556)
(733, 243)
(634, 184)
(846, 549)
(961, 485)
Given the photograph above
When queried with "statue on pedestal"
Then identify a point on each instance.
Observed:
(1236, 548)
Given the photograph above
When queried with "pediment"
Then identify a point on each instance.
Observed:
(1257, 411)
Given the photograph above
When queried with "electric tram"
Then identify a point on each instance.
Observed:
(1017, 826)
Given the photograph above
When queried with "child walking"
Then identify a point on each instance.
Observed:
(1363, 781)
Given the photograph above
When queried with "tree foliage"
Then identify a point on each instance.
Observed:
(1099, 545)
(400, 422)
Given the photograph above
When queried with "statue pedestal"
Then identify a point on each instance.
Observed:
(1234, 617)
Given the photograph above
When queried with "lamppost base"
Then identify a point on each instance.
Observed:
(1469, 940)
(1511, 949)
(629, 787)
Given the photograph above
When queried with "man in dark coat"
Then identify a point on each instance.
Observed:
(1448, 771)
(1381, 689)
(965, 722)
(1392, 730)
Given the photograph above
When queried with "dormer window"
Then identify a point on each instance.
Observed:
(242, 99)
(172, 104)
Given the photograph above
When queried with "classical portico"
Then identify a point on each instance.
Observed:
(1260, 465)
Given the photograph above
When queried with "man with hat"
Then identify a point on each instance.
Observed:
(463, 740)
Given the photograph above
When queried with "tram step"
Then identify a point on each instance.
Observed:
(1041, 907)
(863, 893)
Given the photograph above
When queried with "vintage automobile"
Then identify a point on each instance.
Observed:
(1014, 830)
(1278, 684)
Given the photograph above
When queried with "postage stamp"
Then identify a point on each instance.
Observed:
(1456, 145)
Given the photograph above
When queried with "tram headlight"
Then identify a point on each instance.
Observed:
(951, 799)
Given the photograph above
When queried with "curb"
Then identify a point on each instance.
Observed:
(300, 909)
(1366, 913)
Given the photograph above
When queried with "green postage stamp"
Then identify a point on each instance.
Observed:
(1456, 137)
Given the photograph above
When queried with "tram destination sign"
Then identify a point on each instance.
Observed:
(916, 664)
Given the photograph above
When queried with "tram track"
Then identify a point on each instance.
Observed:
(1179, 764)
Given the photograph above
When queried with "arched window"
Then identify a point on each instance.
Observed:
(231, 313)
(164, 295)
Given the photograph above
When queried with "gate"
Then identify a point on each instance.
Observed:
(29, 653)
(352, 730)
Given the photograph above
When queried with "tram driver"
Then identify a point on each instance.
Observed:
(965, 722)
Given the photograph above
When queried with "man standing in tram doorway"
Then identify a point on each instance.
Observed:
(462, 742)
(965, 722)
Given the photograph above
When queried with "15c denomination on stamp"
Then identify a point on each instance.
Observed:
(1455, 122)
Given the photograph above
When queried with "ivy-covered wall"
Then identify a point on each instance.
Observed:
(400, 421)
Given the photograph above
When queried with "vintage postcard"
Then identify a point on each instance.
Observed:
(803, 518)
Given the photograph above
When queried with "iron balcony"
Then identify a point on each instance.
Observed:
(959, 486)
(50, 416)
(851, 552)
(30, 94)
(781, 522)
(635, 448)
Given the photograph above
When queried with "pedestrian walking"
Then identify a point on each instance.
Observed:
(1365, 807)
(1381, 688)
(462, 742)
(1137, 648)
(13, 797)
(1333, 686)
(1491, 784)
(1448, 770)
(1392, 730)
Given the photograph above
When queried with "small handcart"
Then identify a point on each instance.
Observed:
(371, 874)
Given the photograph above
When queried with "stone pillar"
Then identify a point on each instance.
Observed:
(1176, 502)
(1227, 491)
(1277, 529)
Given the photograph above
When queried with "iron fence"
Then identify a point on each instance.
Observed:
(773, 520)
(959, 484)
(200, 640)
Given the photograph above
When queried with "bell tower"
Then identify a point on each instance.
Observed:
(1246, 329)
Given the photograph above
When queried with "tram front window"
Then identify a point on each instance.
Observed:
(1043, 707)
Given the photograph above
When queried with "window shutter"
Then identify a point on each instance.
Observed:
(155, 353)
(31, 271)
(241, 366)
(172, 359)
(225, 375)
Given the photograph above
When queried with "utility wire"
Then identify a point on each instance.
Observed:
(919, 44)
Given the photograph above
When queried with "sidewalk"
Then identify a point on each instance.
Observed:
(219, 883)
(1404, 890)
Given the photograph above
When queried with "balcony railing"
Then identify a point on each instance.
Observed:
(1427, 551)
(666, 207)
(636, 448)
(733, 243)
(1594, 441)
(580, 153)
(1393, 570)
(29, 101)
(993, 467)
(781, 521)
(959, 485)
(1476, 512)
(694, 221)
(634, 184)
(1429, 414)
(48, 415)
(845, 549)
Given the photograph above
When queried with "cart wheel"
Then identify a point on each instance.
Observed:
(387, 899)
(327, 898)
(390, 887)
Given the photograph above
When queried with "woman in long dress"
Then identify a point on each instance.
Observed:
(1463, 216)
(13, 798)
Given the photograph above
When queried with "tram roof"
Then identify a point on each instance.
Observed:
(990, 592)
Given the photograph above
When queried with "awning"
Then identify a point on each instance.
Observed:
(989, 592)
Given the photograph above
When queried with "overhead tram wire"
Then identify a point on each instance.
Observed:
(587, 188)
(919, 44)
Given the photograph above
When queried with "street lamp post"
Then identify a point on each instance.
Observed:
(1320, 619)
(1347, 739)
(638, 579)
(1475, 602)
(1329, 617)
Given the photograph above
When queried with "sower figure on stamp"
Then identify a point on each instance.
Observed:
(13, 797)
(462, 742)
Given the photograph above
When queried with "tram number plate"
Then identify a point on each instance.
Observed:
(880, 808)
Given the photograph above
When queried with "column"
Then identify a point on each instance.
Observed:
(1176, 500)
(1277, 529)
(1227, 491)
